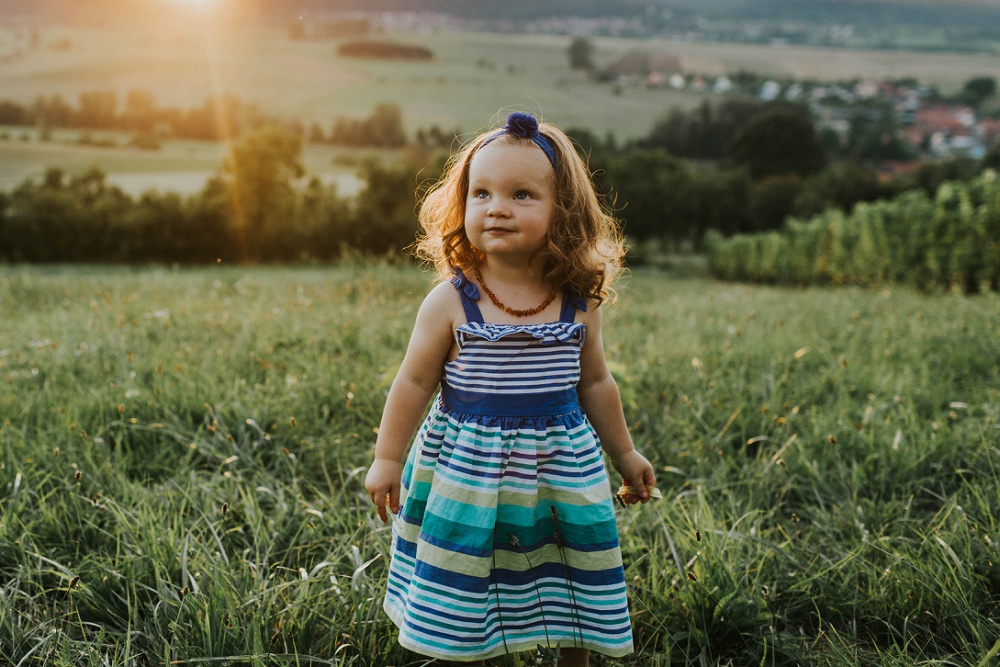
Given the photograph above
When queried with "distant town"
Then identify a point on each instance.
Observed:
(932, 125)
(916, 120)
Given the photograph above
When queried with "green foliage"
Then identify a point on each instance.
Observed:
(382, 129)
(182, 455)
(386, 210)
(705, 132)
(782, 140)
(875, 134)
(255, 210)
(771, 199)
(385, 50)
(842, 186)
(219, 117)
(87, 220)
(992, 158)
(652, 186)
(258, 176)
(950, 242)
(581, 54)
(978, 89)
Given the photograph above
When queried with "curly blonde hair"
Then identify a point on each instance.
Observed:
(584, 249)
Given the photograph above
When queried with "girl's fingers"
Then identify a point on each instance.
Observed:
(649, 478)
(393, 497)
(379, 500)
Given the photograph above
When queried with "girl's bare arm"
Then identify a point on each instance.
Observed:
(602, 404)
(411, 390)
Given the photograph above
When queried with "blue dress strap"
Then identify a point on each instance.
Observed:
(571, 303)
(469, 294)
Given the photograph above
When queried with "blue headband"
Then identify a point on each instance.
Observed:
(525, 126)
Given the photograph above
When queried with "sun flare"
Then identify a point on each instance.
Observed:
(196, 5)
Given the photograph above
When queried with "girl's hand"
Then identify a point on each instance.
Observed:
(637, 473)
(382, 484)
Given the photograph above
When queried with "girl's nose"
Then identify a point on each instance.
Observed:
(497, 209)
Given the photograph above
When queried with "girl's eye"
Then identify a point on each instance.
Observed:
(523, 194)
(480, 194)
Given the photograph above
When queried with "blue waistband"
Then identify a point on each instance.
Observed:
(509, 405)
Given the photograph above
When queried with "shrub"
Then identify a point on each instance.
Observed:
(384, 50)
(950, 242)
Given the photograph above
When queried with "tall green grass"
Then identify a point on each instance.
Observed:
(181, 457)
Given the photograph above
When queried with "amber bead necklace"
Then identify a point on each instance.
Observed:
(512, 311)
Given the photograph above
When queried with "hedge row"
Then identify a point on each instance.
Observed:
(950, 241)
(86, 219)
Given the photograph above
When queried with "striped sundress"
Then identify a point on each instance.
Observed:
(506, 537)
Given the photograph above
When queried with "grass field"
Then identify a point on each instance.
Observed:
(473, 80)
(181, 457)
(179, 166)
(472, 77)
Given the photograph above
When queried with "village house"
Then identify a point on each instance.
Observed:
(945, 129)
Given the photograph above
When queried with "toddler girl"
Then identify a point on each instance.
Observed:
(504, 535)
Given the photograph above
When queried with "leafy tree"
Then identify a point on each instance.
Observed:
(258, 176)
(782, 140)
(771, 200)
(992, 158)
(140, 110)
(385, 218)
(12, 113)
(382, 129)
(53, 111)
(385, 126)
(978, 89)
(718, 200)
(874, 134)
(650, 190)
(98, 108)
(581, 54)
(841, 187)
(703, 132)
(930, 175)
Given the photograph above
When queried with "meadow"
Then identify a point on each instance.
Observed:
(180, 165)
(183, 452)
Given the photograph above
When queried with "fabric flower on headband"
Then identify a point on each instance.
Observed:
(525, 126)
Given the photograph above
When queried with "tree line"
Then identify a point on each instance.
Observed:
(255, 209)
(218, 118)
(262, 207)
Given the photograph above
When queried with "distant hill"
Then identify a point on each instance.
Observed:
(932, 12)
(899, 12)
(982, 13)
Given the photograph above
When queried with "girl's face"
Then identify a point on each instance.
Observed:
(510, 202)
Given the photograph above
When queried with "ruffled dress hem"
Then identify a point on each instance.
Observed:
(396, 617)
